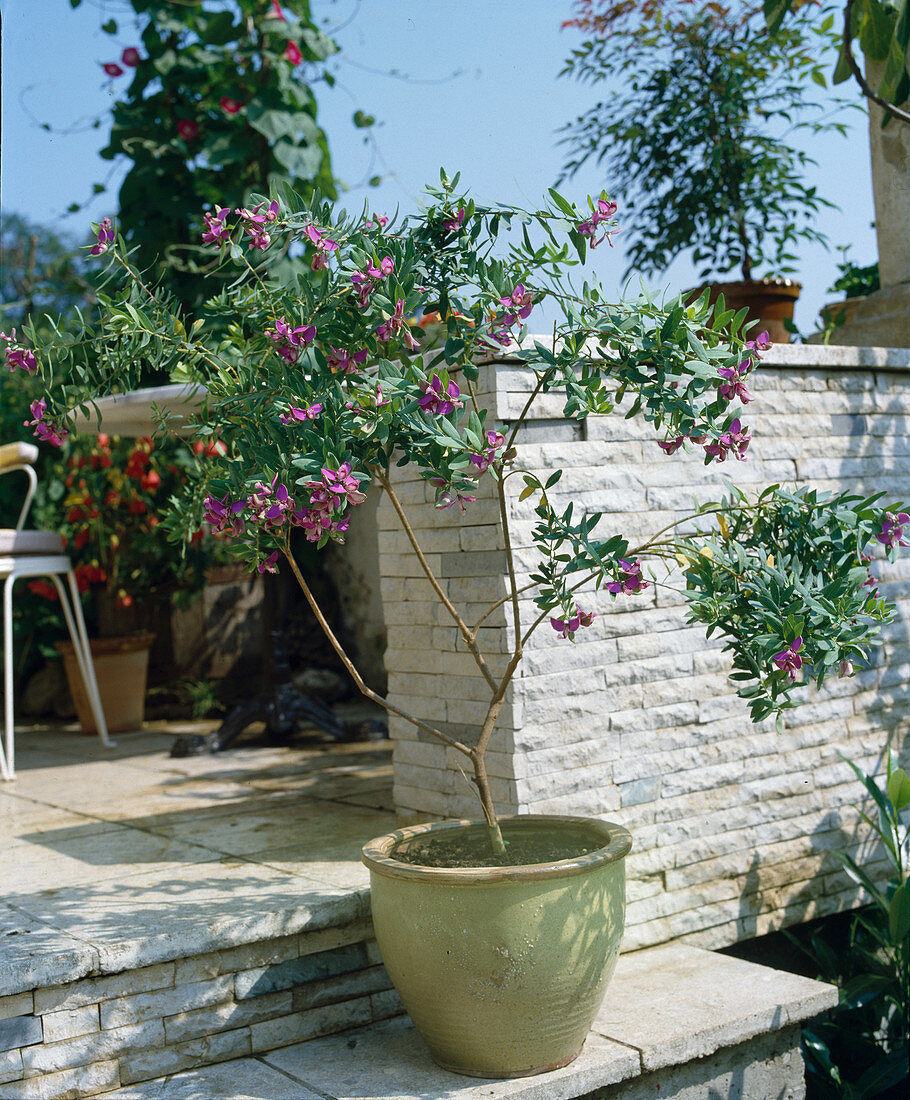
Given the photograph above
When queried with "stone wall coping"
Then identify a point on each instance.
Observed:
(666, 1007)
(802, 356)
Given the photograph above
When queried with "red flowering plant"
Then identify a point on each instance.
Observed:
(322, 388)
(109, 497)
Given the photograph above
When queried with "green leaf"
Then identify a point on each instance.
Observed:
(775, 10)
(362, 120)
(863, 989)
(888, 1071)
(899, 914)
(899, 788)
(110, 27)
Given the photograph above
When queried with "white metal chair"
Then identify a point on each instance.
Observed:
(38, 554)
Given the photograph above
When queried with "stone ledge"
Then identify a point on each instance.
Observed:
(675, 1016)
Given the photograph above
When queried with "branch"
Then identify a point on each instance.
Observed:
(896, 112)
(467, 635)
(349, 664)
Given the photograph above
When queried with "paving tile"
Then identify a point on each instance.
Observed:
(154, 917)
(676, 1003)
(391, 1061)
(33, 954)
(242, 1079)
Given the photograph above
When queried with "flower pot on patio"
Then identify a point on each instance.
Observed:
(121, 668)
(770, 302)
(501, 968)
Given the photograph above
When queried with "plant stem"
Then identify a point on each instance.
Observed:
(467, 635)
(355, 675)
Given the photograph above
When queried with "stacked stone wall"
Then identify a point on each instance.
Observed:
(735, 826)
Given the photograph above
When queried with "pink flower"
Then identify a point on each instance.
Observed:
(447, 496)
(17, 356)
(112, 69)
(482, 461)
(130, 57)
(671, 446)
(734, 385)
(216, 230)
(518, 305)
(397, 324)
(789, 660)
(456, 223)
(293, 54)
(230, 106)
(845, 668)
(277, 12)
(438, 402)
(735, 440)
(255, 222)
(892, 533)
(341, 485)
(105, 235)
(289, 342)
(343, 362)
(630, 579)
(268, 565)
(604, 211)
(293, 416)
(567, 628)
(761, 342)
(188, 129)
(223, 516)
(45, 430)
(381, 221)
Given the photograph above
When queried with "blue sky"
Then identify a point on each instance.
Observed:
(474, 89)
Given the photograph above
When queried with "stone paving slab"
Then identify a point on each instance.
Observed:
(124, 858)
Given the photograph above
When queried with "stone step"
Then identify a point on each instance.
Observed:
(678, 1022)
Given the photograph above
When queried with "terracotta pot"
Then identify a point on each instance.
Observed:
(121, 669)
(846, 308)
(502, 969)
(769, 301)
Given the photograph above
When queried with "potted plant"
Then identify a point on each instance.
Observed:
(689, 142)
(104, 496)
(855, 283)
(320, 390)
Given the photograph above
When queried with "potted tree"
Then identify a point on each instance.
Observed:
(690, 142)
(321, 390)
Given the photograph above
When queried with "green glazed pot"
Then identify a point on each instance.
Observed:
(502, 969)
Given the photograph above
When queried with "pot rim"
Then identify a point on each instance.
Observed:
(375, 853)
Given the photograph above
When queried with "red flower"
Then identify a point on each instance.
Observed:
(230, 106)
(80, 539)
(124, 599)
(293, 54)
(104, 440)
(75, 515)
(112, 69)
(43, 588)
(151, 480)
(188, 129)
(137, 507)
(130, 57)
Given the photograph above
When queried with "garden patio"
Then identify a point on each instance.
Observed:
(164, 916)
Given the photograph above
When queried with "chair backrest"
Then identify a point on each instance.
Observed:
(21, 456)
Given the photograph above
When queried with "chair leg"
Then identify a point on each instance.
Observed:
(7, 756)
(76, 626)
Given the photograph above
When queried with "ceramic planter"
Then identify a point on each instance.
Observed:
(502, 969)
(769, 301)
(121, 668)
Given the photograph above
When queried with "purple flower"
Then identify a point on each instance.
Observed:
(567, 628)
(267, 565)
(456, 223)
(105, 235)
(290, 341)
(344, 362)
(518, 305)
(735, 440)
(603, 212)
(447, 496)
(397, 324)
(671, 446)
(18, 357)
(482, 461)
(322, 246)
(630, 579)
(293, 416)
(223, 516)
(789, 660)
(435, 401)
(893, 526)
(255, 222)
(734, 386)
(45, 430)
(761, 342)
(215, 229)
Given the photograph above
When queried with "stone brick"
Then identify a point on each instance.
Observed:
(311, 1023)
(19, 1031)
(346, 987)
(93, 990)
(204, 1051)
(295, 972)
(10, 1066)
(230, 1016)
(99, 1046)
(19, 1004)
(68, 1023)
(69, 1084)
(140, 1006)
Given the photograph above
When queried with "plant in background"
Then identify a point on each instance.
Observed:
(215, 101)
(692, 138)
(861, 1048)
(322, 390)
(855, 281)
(105, 496)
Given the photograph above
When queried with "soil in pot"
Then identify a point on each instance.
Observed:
(471, 847)
(502, 968)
